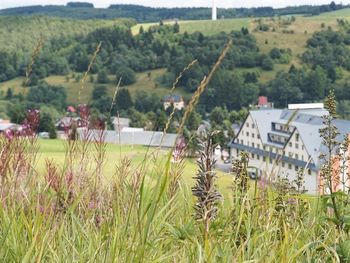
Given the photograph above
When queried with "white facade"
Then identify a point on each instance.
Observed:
(179, 105)
(273, 159)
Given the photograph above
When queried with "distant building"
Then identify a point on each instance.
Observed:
(263, 102)
(341, 173)
(120, 123)
(141, 138)
(174, 100)
(6, 125)
(71, 109)
(66, 123)
(279, 142)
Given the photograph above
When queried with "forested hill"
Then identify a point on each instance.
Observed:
(148, 14)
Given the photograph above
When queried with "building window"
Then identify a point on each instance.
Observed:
(247, 124)
(296, 146)
(283, 164)
(237, 152)
(253, 155)
(253, 135)
(297, 137)
(247, 133)
(258, 156)
(296, 168)
(258, 146)
(253, 144)
(291, 155)
(289, 166)
(290, 144)
(253, 125)
(264, 147)
(309, 171)
(284, 153)
(258, 136)
(242, 142)
(296, 156)
(264, 158)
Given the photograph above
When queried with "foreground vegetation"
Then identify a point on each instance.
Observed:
(99, 203)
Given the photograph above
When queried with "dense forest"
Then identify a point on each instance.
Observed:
(149, 14)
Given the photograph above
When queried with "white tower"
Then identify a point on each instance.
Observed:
(214, 11)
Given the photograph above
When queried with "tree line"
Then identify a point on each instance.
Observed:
(148, 14)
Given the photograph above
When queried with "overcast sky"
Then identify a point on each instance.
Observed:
(172, 3)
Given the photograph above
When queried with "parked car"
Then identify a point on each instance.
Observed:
(44, 135)
(253, 173)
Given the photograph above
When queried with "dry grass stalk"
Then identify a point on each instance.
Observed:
(201, 88)
(33, 58)
(83, 81)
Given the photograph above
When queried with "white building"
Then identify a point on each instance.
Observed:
(173, 100)
(279, 142)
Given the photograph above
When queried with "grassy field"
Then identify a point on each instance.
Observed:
(55, 150)
(207, 27)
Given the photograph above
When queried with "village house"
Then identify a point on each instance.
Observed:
(6, 125)
(263, 102)
(279, 142)
(173, 100)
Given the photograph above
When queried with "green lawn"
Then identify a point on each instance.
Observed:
(209, 27)
(55, 150)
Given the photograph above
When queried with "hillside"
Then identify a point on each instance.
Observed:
(143, 83)
(302, 29)
(160, 52)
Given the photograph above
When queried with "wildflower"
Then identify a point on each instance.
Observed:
(31, 123)
(9, 134)
(179, 150)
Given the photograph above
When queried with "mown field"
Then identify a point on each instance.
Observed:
(55, 150)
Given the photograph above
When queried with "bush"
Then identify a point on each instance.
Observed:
(102, 76)
(267, 64)
(127, 76)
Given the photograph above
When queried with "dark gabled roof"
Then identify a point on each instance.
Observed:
(172, 98)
